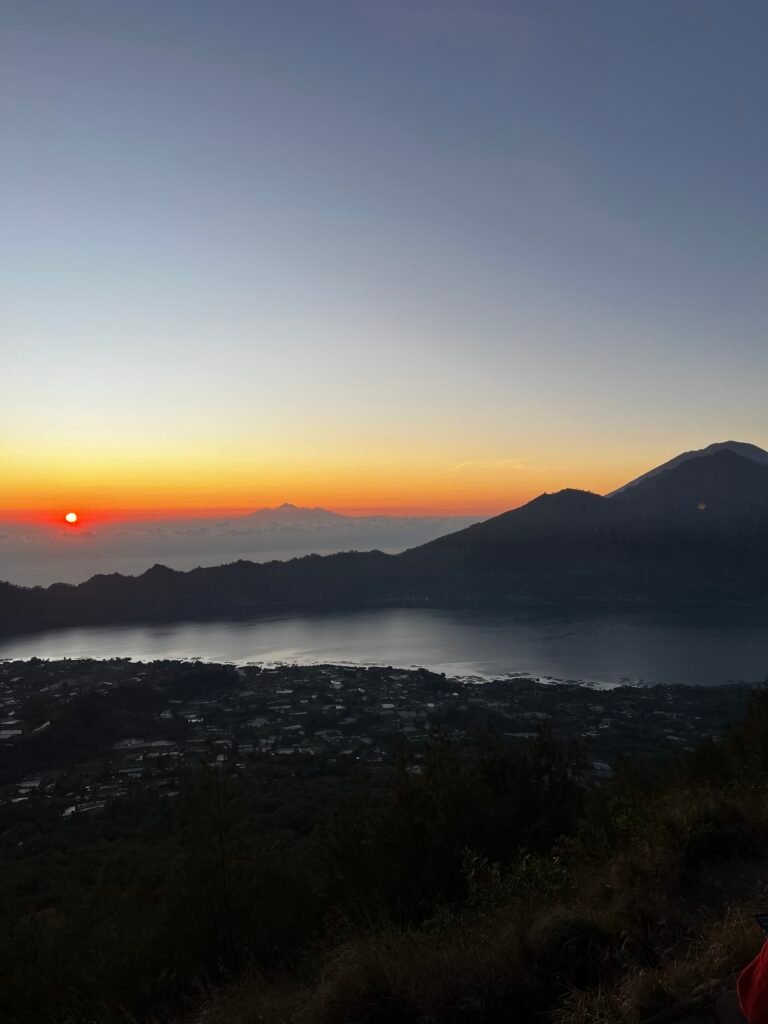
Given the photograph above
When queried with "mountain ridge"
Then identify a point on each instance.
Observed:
(744, 448)
(693, 533)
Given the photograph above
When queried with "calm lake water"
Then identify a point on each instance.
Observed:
(603, 649)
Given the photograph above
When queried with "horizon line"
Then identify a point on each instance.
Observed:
(103, 513)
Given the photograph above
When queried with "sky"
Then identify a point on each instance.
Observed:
(421, 256)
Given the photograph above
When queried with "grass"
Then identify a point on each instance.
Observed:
(658, 919)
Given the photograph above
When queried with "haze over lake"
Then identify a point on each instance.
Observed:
(604, 649)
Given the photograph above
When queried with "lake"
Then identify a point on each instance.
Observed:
(604, 649)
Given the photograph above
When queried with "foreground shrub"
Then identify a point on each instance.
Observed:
(397, 858)
(482, 884)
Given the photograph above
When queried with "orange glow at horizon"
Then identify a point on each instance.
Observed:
(41, 484)
(106, 480)
(481, 488)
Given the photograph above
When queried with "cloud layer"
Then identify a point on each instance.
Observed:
(42, 555)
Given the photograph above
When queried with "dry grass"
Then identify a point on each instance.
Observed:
(585, 961)
(636, 930)
(490, 977)
(716, 954)
(465, 971)
(253, 1001)
(459, 975)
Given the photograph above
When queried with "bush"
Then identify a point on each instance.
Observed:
(481, 884)
(398, 857)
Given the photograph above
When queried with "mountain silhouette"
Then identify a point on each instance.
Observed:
(721, 487)
(293, 515)
(693, 533)
(743, 448)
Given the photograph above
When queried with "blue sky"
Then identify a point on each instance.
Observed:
(336, 251)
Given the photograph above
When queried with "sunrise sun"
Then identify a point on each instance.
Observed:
(71, 518)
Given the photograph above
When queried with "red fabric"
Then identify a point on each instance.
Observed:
(752, 987)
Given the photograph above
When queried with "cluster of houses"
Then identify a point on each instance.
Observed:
(82, 733)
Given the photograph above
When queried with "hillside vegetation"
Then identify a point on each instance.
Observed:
(484, 884)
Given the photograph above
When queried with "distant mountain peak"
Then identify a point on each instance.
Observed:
(742, 448)
(288, 512)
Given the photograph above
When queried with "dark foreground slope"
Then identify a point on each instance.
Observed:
(643, 903)
(696, 533)
(476, 882)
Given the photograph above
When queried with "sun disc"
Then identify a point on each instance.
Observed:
(71, 517)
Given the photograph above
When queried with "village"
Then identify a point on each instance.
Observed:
(77, 734)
